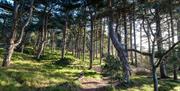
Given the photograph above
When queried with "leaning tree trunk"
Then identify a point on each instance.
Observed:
(21, 46)
(119, 47)
(11, 42)
(40, 49)
(121, 53)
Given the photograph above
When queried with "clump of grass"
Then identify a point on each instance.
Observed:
(64, 62)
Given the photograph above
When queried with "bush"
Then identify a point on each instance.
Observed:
(113, 67)
(64, 62)
(29, 51)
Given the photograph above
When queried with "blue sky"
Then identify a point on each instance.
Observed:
(11, 1)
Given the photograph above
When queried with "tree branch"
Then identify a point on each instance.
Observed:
(167, 52)
(143, 53)
(26, 24)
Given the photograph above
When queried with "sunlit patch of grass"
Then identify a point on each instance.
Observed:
(92, 74)
(26, 73)
(143, 83)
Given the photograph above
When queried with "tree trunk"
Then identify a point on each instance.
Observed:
(108, 46)
(11, 42)
(20, 47)
(91, 42)
(134, 34)
(119, 47)
(140, 41)
(96, 42)
(175, 71)
(44, 34)
(131, 43)
(7, 56)
(155, 80)
(40, 49)
(101, 40)
(112, 50)
(64, 40)
(125, 31)
(163, 73)
(53, 43)
(84, 42)
(160, 44)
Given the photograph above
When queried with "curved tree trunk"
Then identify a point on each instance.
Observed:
(119, 47)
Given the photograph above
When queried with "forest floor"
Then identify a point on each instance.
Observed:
(94, 84)
(29, 74)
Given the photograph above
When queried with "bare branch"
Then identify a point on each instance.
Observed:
(143, 53)
(167, 52)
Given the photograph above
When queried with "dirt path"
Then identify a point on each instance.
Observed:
(94, 84)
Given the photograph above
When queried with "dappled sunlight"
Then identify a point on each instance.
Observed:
(25, 72)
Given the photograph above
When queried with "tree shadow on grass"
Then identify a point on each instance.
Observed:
(168, 84)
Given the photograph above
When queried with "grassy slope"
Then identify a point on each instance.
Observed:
(27, 74)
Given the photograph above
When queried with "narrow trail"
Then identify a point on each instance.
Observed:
(94, 84)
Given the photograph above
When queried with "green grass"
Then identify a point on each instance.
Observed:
(143, 83)
(27, 74)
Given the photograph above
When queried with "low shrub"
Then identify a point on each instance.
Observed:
(113, 67)
(64, 62)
